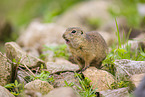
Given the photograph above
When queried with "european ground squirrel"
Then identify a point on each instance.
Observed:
(88, 49)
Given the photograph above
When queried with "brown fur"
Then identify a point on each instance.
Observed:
(89, 49)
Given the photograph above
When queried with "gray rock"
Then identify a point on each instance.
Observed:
(61, 65)
(125, 68)
(100, 79)
(69, 77)
(5, 93)
(136, 79)
(39, 86)
(5, 70)
(31, 51)
(121, 92)
(48, 56)
(140, 37)
(21, 76)
(30, 93)
(80, 14)
(135, 45)
(109, 37)
(13, 51)
(110, 26)
(37, 35)
(140, 90)
(141, 9)
(62, 92)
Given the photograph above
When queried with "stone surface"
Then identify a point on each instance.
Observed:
(140, 37)
(69, 77)
(21, 76)
(39, 86)
(80, 14)
(61, 65)
(13, 51)
(48, 56)
(141, 8)
(110, 38)
(140, 90)
(5, 93)
(125, 68)
(135, 45)
(121, 92)
(31, 51)
(30, 93)
(5, 70)
(62, 92)
(38, 34)
(136, 79)
(110, 26)
(100, 79)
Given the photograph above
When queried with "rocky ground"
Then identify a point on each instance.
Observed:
(26, 64)
(22, 59)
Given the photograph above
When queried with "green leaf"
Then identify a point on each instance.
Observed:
(71, 84)
(16, 82)
(65, 82)
(14, 93)
(142, 54)
(14, 60)
(11, 85)
(119, 40)
(120, 50)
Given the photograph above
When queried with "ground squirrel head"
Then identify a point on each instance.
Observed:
(74, 36)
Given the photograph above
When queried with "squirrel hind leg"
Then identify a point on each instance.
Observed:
(96, 62)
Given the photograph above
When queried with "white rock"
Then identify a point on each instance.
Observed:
(14, 51)
(61, 65)
(79, 14)
(38, 34)
(136, 79)
(125, 68)
(5, 70)
(100, 79)
(5, 93)
(62, 92)
(121, 92)
(39, 86)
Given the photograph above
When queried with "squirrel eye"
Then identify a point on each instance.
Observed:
(74, 31)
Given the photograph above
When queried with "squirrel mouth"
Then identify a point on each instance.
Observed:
(67, 41)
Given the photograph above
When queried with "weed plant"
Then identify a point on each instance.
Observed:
(86, 90)
(15, 88)
(44, 76)
(121, 53)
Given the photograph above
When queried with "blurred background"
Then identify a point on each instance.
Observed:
(17, 15)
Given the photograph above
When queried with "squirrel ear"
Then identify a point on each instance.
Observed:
(82, 32)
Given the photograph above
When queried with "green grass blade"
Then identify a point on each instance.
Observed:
(129, 34)
(119, 40)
